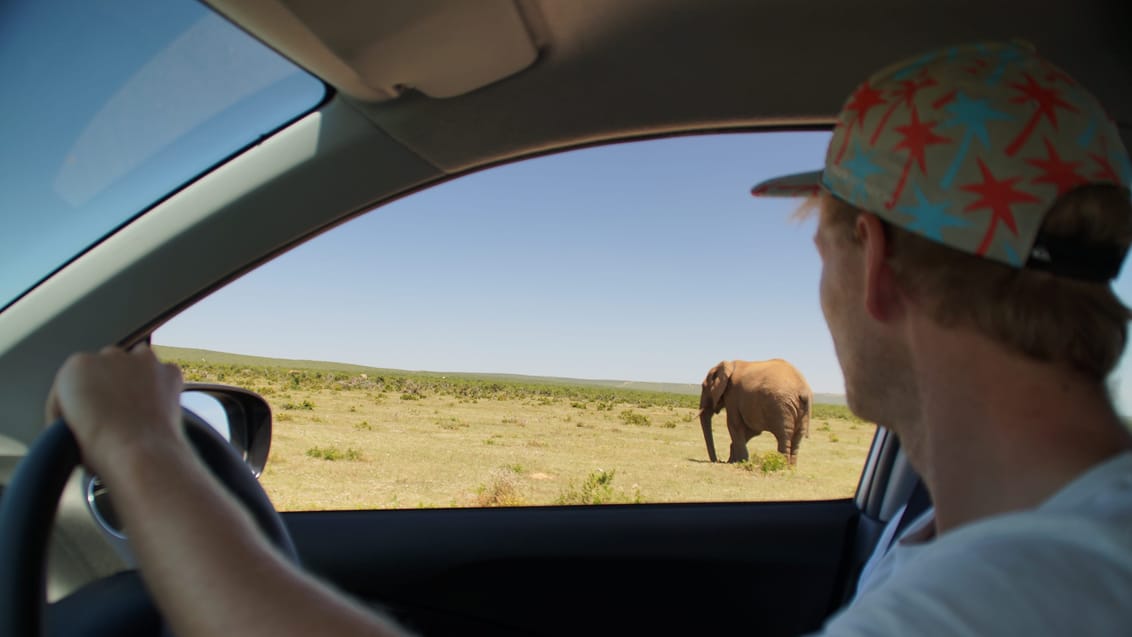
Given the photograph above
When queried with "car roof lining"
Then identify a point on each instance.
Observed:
(375, 51)
(645, 67)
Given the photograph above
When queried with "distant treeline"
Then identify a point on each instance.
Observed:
(269, 376)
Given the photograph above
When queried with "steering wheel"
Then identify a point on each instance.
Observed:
(114, 605)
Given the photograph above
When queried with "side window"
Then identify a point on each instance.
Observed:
(540, 333)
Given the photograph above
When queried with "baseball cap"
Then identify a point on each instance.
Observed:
(970, 146)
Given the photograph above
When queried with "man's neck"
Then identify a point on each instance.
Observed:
(998, 432)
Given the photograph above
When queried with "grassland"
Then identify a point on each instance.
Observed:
(348, 437)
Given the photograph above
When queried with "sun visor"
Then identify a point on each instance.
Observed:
(374, 51)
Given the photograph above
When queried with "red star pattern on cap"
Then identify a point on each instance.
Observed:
(997, 195)
(1055, 170)
(1048, 100)
(917, 137)
(864, 99)
(903, 95)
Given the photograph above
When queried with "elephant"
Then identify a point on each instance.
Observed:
(769, 395)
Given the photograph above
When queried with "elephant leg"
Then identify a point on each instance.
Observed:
(739, 437)
(784, 444)
(795, 442)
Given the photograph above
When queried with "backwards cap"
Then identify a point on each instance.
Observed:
(971, 146)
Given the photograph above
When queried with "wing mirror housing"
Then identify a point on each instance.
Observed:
(243, 417)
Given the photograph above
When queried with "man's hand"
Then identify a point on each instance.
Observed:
(116, 402)
(206, 564)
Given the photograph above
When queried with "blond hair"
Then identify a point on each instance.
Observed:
(1079, 324)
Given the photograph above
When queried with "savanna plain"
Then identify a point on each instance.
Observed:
(348, 437)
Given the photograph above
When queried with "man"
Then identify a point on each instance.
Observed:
(974, 207)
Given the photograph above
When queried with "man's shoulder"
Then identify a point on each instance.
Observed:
(1012, 579)
(1089, 524)
(1015, 573)
(1092, 514)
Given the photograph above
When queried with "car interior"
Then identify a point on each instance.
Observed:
(421, 92)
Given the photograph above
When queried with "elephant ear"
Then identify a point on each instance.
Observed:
(720, 378)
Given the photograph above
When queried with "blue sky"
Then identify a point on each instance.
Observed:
(640, 261)
(645, 261)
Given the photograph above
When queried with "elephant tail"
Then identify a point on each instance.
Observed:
(805, 406)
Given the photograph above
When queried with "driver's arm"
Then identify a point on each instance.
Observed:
(210, 570)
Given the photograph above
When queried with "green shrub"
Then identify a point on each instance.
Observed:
(364, 426)
(502, 490)
(598, 489)
(452, 424)
(306, 405)
(769, 462)
(333, 453)
(772, 461)
(631, 417)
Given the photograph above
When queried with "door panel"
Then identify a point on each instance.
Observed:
(765, 569)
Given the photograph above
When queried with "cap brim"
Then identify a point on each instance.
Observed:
(796, 185)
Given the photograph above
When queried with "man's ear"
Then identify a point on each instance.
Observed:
(883, 299)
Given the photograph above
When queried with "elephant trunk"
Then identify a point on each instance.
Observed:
(706, 411)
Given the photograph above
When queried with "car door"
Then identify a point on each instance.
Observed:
(637, 259)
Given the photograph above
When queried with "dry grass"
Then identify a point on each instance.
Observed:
(375, 450)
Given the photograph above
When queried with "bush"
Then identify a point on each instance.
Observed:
(631, 417)
(502, 489)
(597, 488)
(306, 405)
(773, 461)
(333, 453)
(770, 462)
(452, 423)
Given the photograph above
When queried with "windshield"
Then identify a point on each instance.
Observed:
(110, 107)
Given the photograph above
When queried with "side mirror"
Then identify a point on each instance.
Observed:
(242, 417)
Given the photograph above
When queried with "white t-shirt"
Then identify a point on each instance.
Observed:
(1062, 568)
